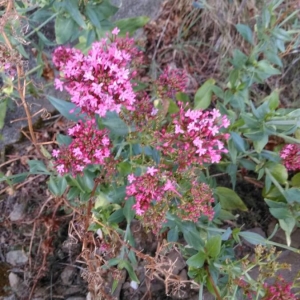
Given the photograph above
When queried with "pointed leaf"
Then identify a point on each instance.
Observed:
(203, 96)
(229, 199)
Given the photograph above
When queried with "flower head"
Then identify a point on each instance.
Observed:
(290, 155)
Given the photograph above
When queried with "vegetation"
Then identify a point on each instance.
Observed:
(152, 150)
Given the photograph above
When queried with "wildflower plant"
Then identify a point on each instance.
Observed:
(148, 155)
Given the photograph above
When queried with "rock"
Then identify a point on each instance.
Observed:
(18, 211)
(73, 290)
(17, 285)
(67, 275)
(14, 280)
(177, 261)
(12, 297)
(16, 257)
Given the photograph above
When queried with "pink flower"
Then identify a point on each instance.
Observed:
(55, 153)
(193, 138)
(58, 84)
(101, 80)
(89, 146)
(115, 31)
(151, 171)
(131, 178)
(290, 155)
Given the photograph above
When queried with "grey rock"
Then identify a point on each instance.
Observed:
(133, 8)
(18, 211)
(11, 297)
(177, 261)
(67, 275)
(17, 285)
(16, 257)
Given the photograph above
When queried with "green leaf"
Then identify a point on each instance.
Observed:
(92, 15)
(3, 108)
(203, 96)
(253, 238)
(213, 246)
(173, 235)
(124, 168)
(183, 97)
(128, 211)
(117, 216)
(86, 181)
(287, 226)
(105, 10)
(197, 260)
(238, 141)
(229, 199)
(267, 68)
(57, 185)
(192, 236)
(246, 32)
(125, 264)
(116, 125)
(37, 167)
(71, 7)
(296, 180)
(292, 195)
(278, 171)
(173, 108)
(130, 25)
(281, 213)
(64, 29)
(273, 100)
(239, 59)
(101, 200)
(260, 144)
(73, 193)
(273, 58)
(65, 107)
(63, 139)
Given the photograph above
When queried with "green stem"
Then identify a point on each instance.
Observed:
(288, 138)
(201, 292)
(39, 27)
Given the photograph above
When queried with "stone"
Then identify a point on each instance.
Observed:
(67, 275)
(18, 211)
(17, 285)
(16, 257)
(14, 280)
(177, 261)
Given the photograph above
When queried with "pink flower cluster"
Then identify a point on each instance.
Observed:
(290, 155)
(99, 81)
(200, 204)
(280, 290)
(147, 188)
(159, 188)
(143, 115)
(89, 146)
(194, 137)
(170, 82)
